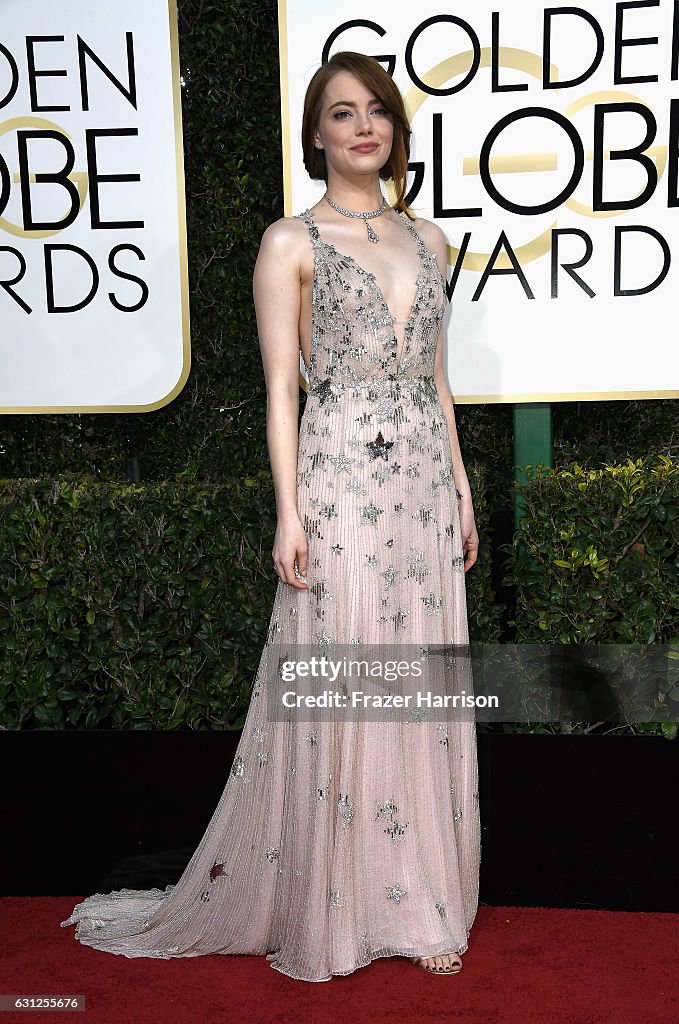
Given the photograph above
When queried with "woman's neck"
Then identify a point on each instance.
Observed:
(360, 197)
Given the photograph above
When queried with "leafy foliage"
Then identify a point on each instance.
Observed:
(143, 606)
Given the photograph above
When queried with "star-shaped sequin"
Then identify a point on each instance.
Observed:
(395, 892)
(379, 448)
(432, 604)
(370, 512)
(390, 574)
(386, 810)
(399, 618)
(396, 830)
(425, 514)
(416, 566)
(346, 809)
(341, 462)
(323, 390)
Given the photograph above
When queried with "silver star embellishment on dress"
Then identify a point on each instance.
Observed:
(399, 618)
(379, 448)
(395, 892)
(425, 514)
(341, 462)
(390, 574)
(323, 390)
(355, 486)
(387, 809)
(432, 604)
(346, 809)
(370, 512)
(396, 830)
(416, 566)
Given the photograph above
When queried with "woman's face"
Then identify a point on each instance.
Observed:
(354, 128)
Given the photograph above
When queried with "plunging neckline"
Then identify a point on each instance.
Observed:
(380, 294)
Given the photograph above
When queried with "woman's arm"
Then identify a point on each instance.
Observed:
(276, 290)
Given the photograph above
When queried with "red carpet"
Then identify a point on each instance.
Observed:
(524, 964)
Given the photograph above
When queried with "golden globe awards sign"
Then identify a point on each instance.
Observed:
(94, 310)
(545, 145)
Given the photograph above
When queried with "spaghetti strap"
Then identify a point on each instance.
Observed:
(408, 223)
(305, 215)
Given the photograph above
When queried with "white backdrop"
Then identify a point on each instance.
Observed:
(501, 345)
(98, 358)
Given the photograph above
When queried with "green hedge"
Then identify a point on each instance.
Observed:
(594, 558)
(145, 606)
(132, 606)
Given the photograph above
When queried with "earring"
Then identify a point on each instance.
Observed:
(318, 145)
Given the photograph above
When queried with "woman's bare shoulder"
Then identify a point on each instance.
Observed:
(430, 233)
(284, 236)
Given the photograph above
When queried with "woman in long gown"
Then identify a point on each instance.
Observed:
(341, 841)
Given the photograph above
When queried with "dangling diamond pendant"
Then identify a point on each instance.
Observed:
(364, 215)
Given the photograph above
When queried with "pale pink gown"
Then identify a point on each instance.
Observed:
(338, 842)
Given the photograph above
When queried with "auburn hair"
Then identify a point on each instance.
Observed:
(373, 76)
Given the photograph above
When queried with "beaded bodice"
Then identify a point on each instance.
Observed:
(352, 337)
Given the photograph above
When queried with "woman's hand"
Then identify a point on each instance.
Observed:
(470, 538)
(290, 548)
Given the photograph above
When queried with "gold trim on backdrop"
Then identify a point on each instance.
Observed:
(565, 396)
(285, 106)
(183, 257)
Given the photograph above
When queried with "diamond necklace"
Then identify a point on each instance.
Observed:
(372, 234)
